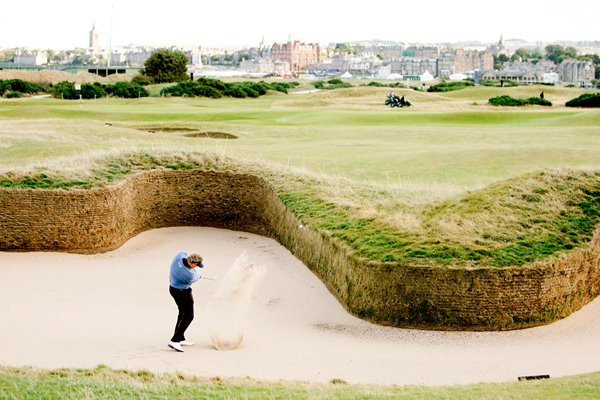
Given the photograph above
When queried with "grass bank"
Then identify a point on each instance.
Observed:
(510, 223)
(105, 383)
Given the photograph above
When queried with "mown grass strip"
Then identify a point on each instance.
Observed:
(105, 383)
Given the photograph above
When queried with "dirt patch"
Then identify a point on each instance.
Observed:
(212, 135)
(191, 132)
(175, 129)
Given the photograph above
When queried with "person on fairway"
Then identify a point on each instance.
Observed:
(182, 274)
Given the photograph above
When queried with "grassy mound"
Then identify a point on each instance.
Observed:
(511, 223)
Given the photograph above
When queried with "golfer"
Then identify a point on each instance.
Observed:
(183, 273)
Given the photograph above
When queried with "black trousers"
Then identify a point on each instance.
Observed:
(185, 304)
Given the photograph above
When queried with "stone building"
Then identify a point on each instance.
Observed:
(461, 61)
(446, 66)
(470, 60)
(413, 66)
(421, 52)
(524, 72)
(385, 51)
(299, 55)
(35, 58)
(575, 71)
(265, 65)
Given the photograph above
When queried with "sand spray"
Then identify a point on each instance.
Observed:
(229, 305)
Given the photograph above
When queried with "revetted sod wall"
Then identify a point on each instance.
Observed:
(101, 219)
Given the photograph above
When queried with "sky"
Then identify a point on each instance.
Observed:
(65, 24)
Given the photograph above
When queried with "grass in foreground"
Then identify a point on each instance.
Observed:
(105, 383)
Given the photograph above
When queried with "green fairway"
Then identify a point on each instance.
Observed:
(444, 139)
(384, 166)
(450, 181)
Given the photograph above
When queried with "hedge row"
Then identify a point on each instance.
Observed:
(332, 84)
(67, 90)
(18, 87)
(505, 100)
(215, 88)
(449, 86)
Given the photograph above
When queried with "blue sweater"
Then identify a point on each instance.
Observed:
(182, 277)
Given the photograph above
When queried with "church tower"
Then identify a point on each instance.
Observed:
(94, 43)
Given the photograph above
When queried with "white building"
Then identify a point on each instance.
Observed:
(551, 77)
(37, 58)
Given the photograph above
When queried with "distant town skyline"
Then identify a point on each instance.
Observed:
(65, 24)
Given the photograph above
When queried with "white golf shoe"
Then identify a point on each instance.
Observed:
(176, 346)
(186, 343)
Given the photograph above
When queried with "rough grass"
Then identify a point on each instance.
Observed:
(511, 223)
(105, 383)
(508, 224)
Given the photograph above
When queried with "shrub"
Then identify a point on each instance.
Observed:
(449, 86)
(281, 86)
(127, 90)
(214, 83)
(181, 89)
(207, 91)
(143, 80)
(13, 95)
(331, 84)
(3, 87)
(234, 91)
(505, 100)
(192, 89)
(214, 88)
(21, 86)
(585, 100)
(538, 101)
(92, 91)
(166, 65)
(65, 90)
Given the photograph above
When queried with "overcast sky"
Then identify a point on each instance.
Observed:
(65, 24)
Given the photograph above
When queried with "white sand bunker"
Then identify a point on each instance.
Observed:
(228, 306)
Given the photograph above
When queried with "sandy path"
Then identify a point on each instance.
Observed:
(69, 310)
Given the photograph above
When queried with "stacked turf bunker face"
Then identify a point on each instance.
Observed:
(100, 219)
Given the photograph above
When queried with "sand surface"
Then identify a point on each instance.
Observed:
(72, 310)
